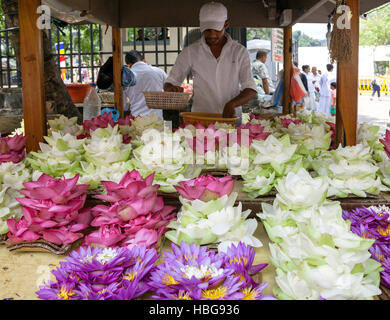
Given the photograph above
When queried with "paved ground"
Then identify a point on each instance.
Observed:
(375, 112)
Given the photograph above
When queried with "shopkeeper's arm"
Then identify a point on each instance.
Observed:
(245, 96)
(178, 73)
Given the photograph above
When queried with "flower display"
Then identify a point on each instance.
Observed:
(167, 156)
(190, 272)
(105, 147)
(350, 170)
(136, 215)
(208, 215)
(12, 149)
(315, 254)
(14, 174)
(9, 207)
(52, 210)
(101, 274)
(61, 154)
(374, 223)
(65, 125)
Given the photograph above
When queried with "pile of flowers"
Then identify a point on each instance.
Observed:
(191, 272)
(208, 215)
(65, 125)
(167, 156)
(12, 149)
(374, 223)
(101, 274)
(62, 154)
(12, 177)
(52, 210)
(350, 170)
(136, 215)
(315, 254)
(270, 160)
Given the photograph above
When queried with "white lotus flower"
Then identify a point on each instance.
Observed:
(9, 207)
(273, 150)
(65, 125)
(300, 190)
(106, 147)
(142, 123)
(14, 174)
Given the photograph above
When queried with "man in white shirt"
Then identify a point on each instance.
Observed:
(221, 68)
(325, 93)
(310, 100)
(148, 78)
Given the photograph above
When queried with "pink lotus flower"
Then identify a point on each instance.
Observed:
(12, 149)
(256, 117)
(286, 122)
(247, 133)
(101, 121)
(125, 121)
(52, 210)
(386, 142)
(144, 237)
(108, 235)
(130, 186)
(58, 191)
(207, 139)
(206, 188)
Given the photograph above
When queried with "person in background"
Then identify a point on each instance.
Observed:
(376, 86)
(316, 83)
(148, 78)
(325, 93)
(221, 67)
(320, 72)
(333, 98)
(140, 36)
(311, 98)
(260, 71)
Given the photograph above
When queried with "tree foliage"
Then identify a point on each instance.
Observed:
(375, 31)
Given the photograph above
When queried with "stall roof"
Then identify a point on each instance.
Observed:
(242, 13)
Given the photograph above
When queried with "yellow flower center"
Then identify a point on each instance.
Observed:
(384, 232)
(187, 258)
(239, 260)
(169, 280)
(215, 294)
(380, 257)
(183, 296)
(102, 291)
(250, 294)
(65, 293)
(130, 276)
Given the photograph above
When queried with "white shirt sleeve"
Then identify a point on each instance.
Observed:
(181, 69)
(246, 77)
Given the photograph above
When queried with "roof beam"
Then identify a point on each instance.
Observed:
(314, 8)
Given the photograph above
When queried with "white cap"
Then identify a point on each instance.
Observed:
(212, 15)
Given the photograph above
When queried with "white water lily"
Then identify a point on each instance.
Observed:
(14, 174)
(65, 125)
(18, 131)
(62, 153)
(142, 123)
(369, 135)
(273, 150)
(106, 147)
(258, 182)
(9, 207)
(236, 159)
(384, 168)
(300, 190)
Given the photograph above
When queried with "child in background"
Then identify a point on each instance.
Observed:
(333, 87)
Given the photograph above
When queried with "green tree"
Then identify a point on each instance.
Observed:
(306, 41)
(258, 33)
(375, 31)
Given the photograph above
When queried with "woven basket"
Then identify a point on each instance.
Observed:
(167, 100)
(205, 118)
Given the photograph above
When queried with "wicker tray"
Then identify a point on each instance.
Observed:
(167, 100)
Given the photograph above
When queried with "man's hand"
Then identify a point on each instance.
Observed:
(171, 88)
(229, 111)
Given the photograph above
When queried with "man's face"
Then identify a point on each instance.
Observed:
(263, 59)
(215, 37)
(306, 70)
(314, 70)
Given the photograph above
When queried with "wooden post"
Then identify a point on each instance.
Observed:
(32, 68)
(117, 60)
(348, 86)
(287, 66)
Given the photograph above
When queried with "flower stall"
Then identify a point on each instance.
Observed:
(273, 209)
